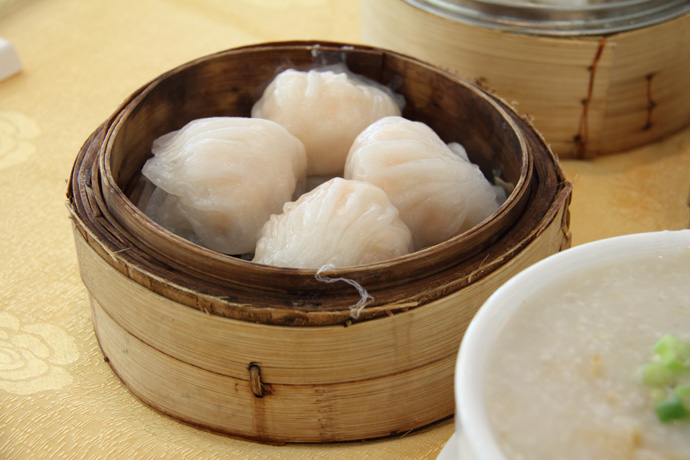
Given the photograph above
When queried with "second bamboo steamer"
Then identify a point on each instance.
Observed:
(595, 77)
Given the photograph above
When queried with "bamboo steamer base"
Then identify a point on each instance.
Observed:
(368, 408)
(588, 95)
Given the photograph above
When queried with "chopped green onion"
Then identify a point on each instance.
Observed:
(657, 375)
(666, 375)
(674, 353)
(683, 395)
(669, 410)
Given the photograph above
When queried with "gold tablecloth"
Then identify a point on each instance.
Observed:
(58, 398)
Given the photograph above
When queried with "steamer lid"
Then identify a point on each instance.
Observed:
(557, 17)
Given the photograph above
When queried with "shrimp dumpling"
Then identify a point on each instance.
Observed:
(437, 190)
(341, 222)
(218, 180)
(326, 110)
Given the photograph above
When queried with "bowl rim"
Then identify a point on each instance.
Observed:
(471, 419)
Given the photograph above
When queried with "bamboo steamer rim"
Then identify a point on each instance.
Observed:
(115, 226)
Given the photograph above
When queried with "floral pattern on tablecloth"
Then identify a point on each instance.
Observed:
(16, 134)
(34, 357)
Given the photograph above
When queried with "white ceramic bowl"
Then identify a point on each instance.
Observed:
(473, 439)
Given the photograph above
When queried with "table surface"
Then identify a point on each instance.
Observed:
(58, 398)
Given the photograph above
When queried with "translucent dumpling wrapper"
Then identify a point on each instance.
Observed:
(341, 223)
(326, 110)
(437, 190)
(218, 180)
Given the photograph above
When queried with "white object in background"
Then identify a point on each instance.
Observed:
(9, 60)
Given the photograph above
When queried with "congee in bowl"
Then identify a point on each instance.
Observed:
(585, 355)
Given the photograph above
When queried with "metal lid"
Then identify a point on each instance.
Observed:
(557, 17)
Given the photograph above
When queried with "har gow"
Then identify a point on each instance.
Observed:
(218, 180)
(326, 109)
(437, 190)
(342, 223)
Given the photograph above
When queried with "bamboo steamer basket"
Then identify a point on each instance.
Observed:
(275, 354)
(595, 79)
